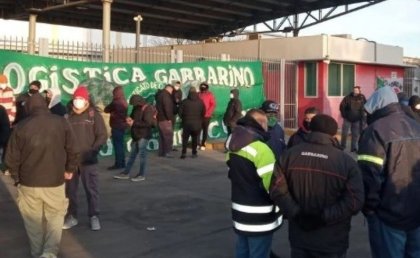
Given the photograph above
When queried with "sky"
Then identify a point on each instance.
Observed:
(393, 22)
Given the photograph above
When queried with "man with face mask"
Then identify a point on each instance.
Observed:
(300, 135)
(233, 111)
(7, 98)
(276, 141)
(21, 112)
(89, 127)
(210, 104)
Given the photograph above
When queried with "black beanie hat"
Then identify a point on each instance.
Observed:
(324, 124)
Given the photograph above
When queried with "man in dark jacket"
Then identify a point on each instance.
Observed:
(233, 111)
(351, 109)
(165, 116)
(318, 187)
(191, 112)
(276, 141)
(414, 106)
(300, 135)
(251, 164)
(89, 128)
(390, 162)
(21, 100)
(141, 121)
(41, 154)
(4, 134)
(118, 113)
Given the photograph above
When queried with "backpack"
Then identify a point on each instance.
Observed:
(154, 110)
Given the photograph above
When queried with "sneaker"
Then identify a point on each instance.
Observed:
(7, 173)
(194, 156)
(70, 222)
(203, 147)
(170, 156)
(138, 179)
(182, 156)
(95, 225)
(122, 175)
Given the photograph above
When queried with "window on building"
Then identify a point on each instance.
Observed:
(340, 79)
(310, 79)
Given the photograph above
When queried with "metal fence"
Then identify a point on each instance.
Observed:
(412, 81)
(280, 76)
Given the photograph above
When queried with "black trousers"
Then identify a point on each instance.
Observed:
(186, 133)
(303, 253)
(205, 127)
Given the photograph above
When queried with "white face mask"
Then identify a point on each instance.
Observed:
(79, 103)
(231, 96)
(3, 86)
(177, 87)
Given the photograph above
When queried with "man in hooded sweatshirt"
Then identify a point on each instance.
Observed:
(41, 154)
(89, 128)
(251, 163)
(53, 99)
(34, 87)
(233, 111)
(141, 121)
(319, 188)
(118, 111)
(191, 112)
(389, 159)
(300, 135)
(276, 141)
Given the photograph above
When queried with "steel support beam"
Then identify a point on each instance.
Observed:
(32, 33)
(106, 29)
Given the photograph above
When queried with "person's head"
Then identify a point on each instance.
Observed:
(310, 112)
(137, 100)
(271, 109)
(402, 98)
(3, 81)
(34, 87)
(81, 98)
(169, 88)
(204, 87)
(234, 94)
(356, 90)
(381, 98)
(34, 103)
(259, 116)
(414, 103)
(324, 124)
(177, 85)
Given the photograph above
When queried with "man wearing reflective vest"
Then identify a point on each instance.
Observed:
(390, 162)
(251, 163)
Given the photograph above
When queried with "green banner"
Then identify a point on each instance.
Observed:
(143, 79)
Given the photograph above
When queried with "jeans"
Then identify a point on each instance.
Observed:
(117, 137)
(355, 129)
(137, 147)
(388, 242)
(186, 133)
(253, 246)
(89, 175)
(205, 127)
(43, 210)
(166, 134)
(302, 253)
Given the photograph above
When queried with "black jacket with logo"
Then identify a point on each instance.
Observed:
(389, 156)
(192, 111)
(351, 107)
(143, 120)
(322, 181)
(42, 147)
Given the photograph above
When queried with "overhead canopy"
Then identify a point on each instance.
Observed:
(171, 18)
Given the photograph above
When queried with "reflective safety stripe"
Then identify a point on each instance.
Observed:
(252, 209)
(258, 228)
(373, 159)
(265, 169)
(248, 149)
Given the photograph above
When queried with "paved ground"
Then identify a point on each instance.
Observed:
(186, 201)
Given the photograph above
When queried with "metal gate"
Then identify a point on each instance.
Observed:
(280, 85)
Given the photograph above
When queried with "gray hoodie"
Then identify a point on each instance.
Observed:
(380, 99)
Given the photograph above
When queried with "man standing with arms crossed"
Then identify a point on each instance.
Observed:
(41, 154)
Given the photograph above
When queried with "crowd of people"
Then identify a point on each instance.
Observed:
(311, 181)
